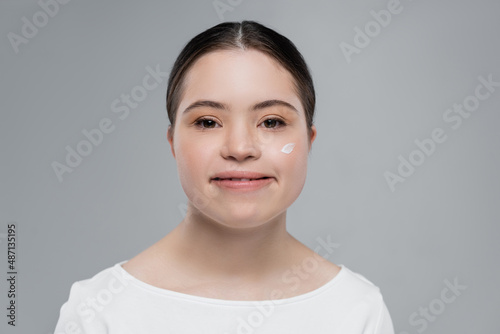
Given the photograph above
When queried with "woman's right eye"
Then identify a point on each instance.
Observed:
(206, 123)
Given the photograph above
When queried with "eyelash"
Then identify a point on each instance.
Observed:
(281, 123)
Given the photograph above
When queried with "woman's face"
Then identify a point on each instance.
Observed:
(238, 112)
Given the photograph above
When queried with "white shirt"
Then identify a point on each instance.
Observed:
(115, 302)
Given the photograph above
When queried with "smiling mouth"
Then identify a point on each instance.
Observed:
(245, 185)
(236, 179)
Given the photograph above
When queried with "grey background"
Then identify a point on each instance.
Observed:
(440, 224)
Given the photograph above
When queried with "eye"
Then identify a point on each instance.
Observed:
(205, 123)
(273, 123)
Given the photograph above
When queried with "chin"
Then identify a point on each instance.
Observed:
(239, 219)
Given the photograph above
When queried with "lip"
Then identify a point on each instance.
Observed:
(251, 180)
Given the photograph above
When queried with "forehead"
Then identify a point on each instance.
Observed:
(239, 76)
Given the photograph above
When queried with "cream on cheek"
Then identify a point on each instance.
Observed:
(288, 153)
(288, 148)
(291, 167)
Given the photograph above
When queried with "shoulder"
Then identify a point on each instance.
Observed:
(364, 303)
(110, 279)
(88, 298)
(357, 283)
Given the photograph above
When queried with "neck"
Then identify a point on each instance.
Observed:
(218, 250)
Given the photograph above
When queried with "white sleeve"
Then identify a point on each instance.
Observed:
(384, 323)
(73, 316)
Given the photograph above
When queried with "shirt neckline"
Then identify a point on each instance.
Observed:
(208, 300)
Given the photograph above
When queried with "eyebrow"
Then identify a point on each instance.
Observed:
(222, 106)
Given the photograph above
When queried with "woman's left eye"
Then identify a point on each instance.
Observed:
(273, 123)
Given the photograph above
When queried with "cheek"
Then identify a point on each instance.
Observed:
(192, 157)
(291, 157)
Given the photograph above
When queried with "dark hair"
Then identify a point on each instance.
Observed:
(244, 35)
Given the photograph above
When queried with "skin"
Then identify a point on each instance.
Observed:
(234, 245)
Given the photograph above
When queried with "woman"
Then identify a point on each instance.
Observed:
(240, 100)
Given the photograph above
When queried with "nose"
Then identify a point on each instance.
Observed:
(241, 143)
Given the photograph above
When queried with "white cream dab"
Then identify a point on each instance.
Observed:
(288, 148)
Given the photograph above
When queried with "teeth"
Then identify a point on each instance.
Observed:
(240, 179)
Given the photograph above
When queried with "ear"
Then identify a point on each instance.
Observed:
(313, 135)
(170, 138)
